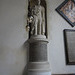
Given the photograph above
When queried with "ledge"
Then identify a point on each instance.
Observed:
(39, 66)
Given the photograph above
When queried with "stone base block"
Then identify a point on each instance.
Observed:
(39, 73)
(38, 66)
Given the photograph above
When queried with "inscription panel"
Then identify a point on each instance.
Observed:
(38, 52)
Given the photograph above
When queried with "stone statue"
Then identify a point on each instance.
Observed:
(38, 19)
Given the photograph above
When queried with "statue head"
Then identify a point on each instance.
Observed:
(39, 2)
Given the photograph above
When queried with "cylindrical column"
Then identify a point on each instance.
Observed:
(38, 61)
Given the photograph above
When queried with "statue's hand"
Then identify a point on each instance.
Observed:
(27, 28)
(30, 19)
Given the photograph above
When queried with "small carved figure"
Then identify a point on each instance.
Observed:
(37, 19)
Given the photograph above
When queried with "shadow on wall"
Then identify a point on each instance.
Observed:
(26, 46)
(25, 71)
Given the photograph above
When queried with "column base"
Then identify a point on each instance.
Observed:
(39, 73)
(38, 66)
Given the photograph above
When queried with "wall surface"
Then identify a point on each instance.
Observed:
(12, 36)
(13, 56)
(56, 25)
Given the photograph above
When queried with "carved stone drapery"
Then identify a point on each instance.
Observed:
(36, 21)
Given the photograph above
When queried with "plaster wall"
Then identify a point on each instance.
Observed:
(56, 25)
(13, 57)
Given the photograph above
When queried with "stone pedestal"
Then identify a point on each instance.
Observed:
(38, 61)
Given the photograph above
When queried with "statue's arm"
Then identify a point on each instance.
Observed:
(43, 14)
(43, 20)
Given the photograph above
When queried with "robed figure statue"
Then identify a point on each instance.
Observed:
(36, 20)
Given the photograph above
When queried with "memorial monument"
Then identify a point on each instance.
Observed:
(38, 59)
